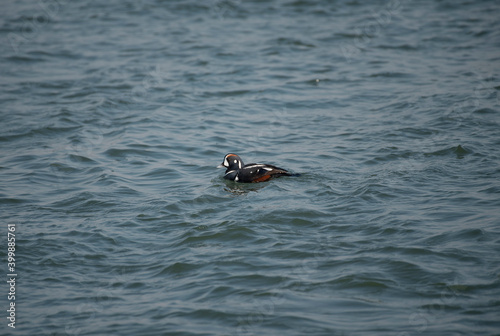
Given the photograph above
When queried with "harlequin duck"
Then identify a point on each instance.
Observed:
(250, 173)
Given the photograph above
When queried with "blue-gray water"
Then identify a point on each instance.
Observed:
(114, 115)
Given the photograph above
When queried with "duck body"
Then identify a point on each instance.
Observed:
(250, 173)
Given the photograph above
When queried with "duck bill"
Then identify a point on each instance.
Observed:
(221, 166)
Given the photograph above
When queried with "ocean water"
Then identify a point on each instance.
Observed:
(115, 114)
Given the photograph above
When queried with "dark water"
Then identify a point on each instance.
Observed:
(114, 115)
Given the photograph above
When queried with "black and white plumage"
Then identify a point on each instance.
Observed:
(250, 173)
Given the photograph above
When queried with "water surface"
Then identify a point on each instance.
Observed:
(114, 116)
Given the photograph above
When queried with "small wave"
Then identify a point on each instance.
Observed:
(458, 151)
